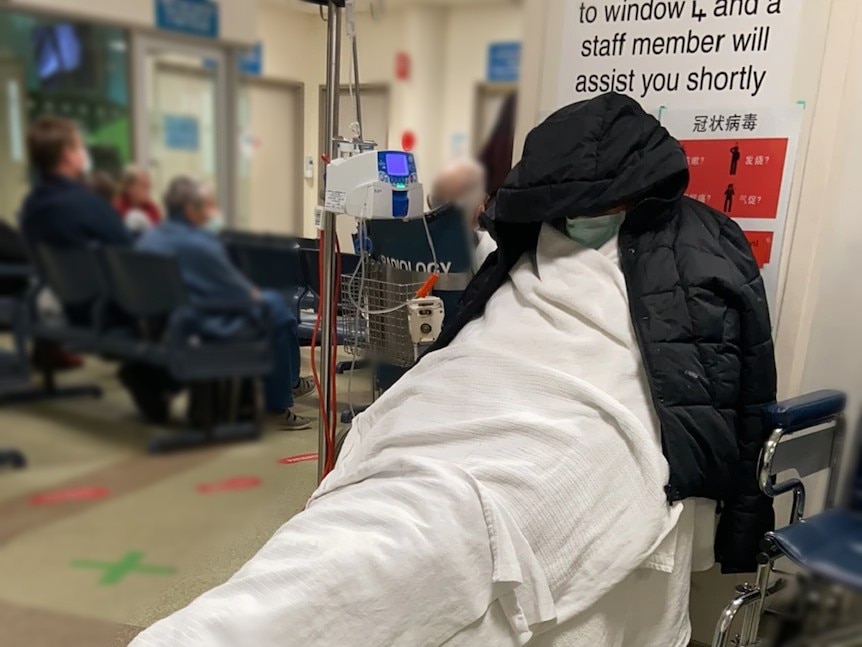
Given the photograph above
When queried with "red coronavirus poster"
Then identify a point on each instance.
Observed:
(741, 163)
(741, 177)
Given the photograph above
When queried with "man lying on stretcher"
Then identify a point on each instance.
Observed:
(546, 476)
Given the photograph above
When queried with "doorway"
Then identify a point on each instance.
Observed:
(489, 101)
(182, 114)
(270, 169)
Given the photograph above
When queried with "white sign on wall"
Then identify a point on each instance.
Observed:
(681, 53)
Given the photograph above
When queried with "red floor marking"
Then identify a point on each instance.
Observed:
(290, 460)
(72, 494)
(229, 485)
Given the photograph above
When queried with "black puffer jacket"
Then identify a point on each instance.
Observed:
(696, 297)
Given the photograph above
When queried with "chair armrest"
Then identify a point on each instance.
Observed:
(804, 411)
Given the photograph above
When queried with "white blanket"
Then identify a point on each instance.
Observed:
(499, 494)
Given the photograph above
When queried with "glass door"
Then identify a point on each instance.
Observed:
(182, 125)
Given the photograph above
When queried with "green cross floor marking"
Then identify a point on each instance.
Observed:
(116, 572)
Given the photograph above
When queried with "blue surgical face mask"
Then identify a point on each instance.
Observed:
(594, 232)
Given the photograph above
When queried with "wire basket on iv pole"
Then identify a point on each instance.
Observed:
(377, 321)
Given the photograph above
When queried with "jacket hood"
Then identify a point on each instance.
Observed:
(590, 157)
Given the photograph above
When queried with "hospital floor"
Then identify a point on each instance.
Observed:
(98, 539)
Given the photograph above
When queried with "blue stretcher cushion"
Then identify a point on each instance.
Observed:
(828, 544)
(804, 411)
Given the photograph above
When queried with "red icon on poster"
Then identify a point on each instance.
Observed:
(761, 245)
(741, 177)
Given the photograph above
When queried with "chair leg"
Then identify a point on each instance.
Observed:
(747, 595)
(208, 420)
(751, 601)
(751, 627)
(50, 391)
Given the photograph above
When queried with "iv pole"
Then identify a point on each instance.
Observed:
(333, 92)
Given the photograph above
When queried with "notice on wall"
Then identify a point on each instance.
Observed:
(504, 62)
(741, 163)
(182, 133)
(251, 60)
(192, 17)
(680, 53)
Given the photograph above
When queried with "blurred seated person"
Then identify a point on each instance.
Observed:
(104, 185)
(61, 210)
(462, 183)
(135, 203)
(210, 277)
(13, 252)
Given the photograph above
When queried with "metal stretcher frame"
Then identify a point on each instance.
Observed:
(807, 437)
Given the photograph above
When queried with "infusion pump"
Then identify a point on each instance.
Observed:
(377, 185)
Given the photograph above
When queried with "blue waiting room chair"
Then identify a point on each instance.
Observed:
(14, 365)
(149, 290)
(75, 282)
(275, 263)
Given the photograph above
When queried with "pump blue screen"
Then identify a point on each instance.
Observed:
(396, 164)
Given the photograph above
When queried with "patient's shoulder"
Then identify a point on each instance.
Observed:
(701, 222)
(702, 215)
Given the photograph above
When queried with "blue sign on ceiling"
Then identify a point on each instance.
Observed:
(504, 62)
(193, 17)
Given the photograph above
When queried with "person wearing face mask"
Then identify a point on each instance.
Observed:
(61, 210)
(612, 180)
(135, 204)
(188, 235)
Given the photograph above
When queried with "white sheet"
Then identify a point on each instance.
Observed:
(509, 485)
(485, 247)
